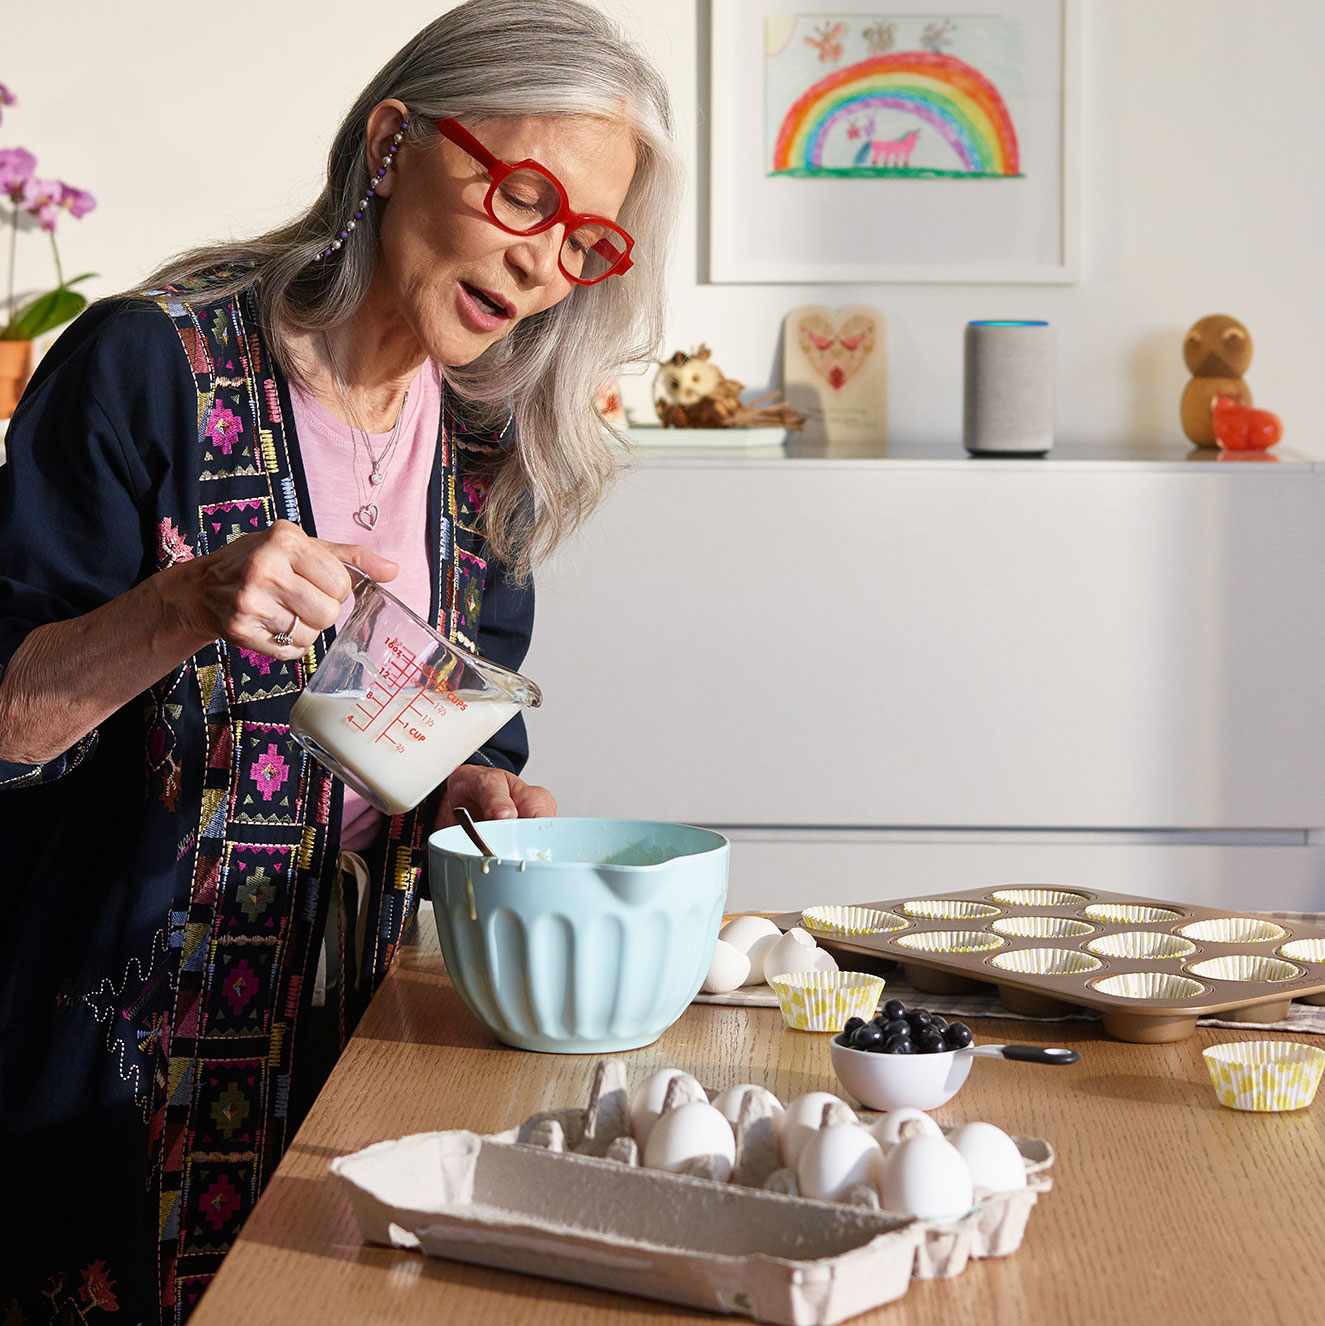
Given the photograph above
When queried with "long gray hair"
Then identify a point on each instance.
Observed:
(488, 59)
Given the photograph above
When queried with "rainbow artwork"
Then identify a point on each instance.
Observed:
(924, 113)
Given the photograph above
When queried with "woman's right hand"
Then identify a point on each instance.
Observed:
(257, 585)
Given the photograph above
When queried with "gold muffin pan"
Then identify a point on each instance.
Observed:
(1149, 967)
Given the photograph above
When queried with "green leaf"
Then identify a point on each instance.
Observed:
(45, 313)
(74, 280)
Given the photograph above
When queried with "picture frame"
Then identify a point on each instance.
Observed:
(991, 195)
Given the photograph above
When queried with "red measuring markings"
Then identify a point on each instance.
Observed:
(402, 669)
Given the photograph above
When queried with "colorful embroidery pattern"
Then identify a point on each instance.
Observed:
(268, 771)
(247, 933)
(172, 546)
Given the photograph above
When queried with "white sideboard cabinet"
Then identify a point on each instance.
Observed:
(916, 671)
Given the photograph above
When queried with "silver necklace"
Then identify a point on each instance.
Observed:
(367, 513)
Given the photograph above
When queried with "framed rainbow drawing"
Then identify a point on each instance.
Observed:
(852, 143)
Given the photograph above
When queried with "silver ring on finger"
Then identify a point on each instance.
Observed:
(285, 638)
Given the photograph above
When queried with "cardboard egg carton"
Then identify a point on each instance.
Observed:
(563, 1195)
(1149, 967)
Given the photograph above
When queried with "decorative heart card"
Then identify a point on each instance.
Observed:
(833, 371)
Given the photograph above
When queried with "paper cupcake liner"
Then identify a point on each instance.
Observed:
(851, 921)
(1149, 985)
(948, 909)
(1245, 967)
(1142, 945)
(1233, 930)
(1265, 1075)
(1046, 962)
(951, 941)
(1129, 913)
(1304, 950)
(1040, 927)
(823, 1000)
(1038, 898)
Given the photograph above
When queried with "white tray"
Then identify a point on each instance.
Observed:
(655, 435)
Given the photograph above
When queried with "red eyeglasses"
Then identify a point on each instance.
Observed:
(525, 198)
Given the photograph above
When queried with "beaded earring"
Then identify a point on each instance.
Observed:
(362, 206)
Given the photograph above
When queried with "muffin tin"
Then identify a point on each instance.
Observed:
(1149, 967)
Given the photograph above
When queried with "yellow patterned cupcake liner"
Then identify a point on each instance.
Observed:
(851, 921)
(823, 1000)
(1265, 1075)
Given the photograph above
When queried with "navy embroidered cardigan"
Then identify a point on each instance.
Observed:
(166, 880)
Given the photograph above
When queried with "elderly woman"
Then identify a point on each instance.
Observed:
(402, 379)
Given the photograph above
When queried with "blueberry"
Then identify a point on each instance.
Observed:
(938, 1020)
(894, 1009)
(929, 1041)
(851, 1024)
(919, 1017)
(957, 1036)
(899, 1045)
(867, 1037)
(897, 1027)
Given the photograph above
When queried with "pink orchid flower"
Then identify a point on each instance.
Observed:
(41, 198)
(77, 202)
(16, 167)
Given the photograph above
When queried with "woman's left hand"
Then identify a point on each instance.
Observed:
(493, 794)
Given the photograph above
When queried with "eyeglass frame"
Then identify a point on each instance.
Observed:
(499, 170)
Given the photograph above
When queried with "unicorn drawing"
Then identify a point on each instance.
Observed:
(893, 151)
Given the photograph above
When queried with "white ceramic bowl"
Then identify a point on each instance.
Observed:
(900, 1081)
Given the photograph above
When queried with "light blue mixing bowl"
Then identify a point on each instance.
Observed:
(600, 947)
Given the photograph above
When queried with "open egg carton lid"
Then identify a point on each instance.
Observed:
(563, 1196)
(1149, 967)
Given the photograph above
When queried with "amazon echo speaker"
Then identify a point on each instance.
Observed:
(1009, 396)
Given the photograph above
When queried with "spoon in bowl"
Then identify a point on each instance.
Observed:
(466, 822)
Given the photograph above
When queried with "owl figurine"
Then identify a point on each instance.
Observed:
(1217, 352)
(691, 391)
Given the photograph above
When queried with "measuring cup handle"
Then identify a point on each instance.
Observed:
(1040, 1054)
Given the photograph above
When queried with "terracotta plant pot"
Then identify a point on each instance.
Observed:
(15, 369)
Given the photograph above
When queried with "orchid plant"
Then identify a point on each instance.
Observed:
(39, 201)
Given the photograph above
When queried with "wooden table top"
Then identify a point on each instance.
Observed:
(1165, 1207)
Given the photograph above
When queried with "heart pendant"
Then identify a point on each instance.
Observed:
(367, 515)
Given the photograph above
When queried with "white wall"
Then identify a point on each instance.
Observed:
(1202, 137)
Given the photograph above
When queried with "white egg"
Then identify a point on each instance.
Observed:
(992, 1157)
(803, 1118)
(926, 1177)
(646, 1101)
(794, 952)
(888, 1130)
(728, 1103)
(757, 954)
(742, 931)
(824, 961)
(728, 969)
(837, 1159)
(688, 1133)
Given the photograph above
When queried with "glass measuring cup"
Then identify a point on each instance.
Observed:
(394, 707)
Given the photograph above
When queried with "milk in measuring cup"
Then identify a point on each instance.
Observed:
(396, 758)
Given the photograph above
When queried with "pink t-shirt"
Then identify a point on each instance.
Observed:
(401, 531)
